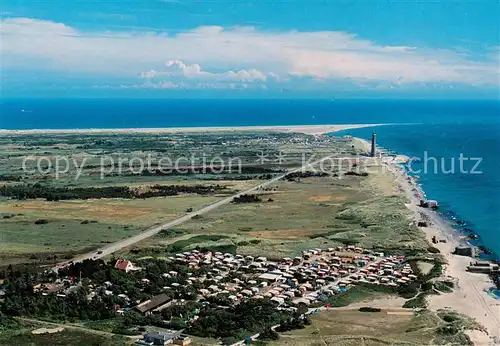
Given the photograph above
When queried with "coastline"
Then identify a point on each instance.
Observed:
(470, 297)
(306, 129)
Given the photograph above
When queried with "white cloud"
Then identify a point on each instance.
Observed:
(177, 68)
(177, 74)
(235, 55)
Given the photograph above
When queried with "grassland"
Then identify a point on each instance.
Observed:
(36, 333)
(293, 215)
(352, 327)
(64, 338)
(307, 213)
(346, 327)
(74, 226)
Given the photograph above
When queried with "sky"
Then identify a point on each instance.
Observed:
(233, 48)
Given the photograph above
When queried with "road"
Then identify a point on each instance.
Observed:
(111, 248)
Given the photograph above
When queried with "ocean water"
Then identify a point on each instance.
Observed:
(439, 129)
(469, 196)
(132, 113)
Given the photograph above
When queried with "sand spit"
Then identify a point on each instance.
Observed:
(307, 129)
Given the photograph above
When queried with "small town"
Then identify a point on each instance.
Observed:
(291, 285)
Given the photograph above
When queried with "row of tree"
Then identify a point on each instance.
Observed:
(246, 198)
(52, 193)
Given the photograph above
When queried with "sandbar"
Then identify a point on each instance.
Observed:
(307, 129)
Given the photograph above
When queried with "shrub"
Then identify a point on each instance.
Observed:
(417, 302)
(369, 309)
(449, 318)
(432, 249)
(269, 334)
(246, 199)
(409, 290)
(427, 286)
(348, 241)
(443, 287)
(447, 330)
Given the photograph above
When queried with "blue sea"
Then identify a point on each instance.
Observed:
(469, 196)
(444, 130)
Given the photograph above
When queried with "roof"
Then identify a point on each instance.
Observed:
(268, 276)
(122, 264)
(162, 336)
(152, 303)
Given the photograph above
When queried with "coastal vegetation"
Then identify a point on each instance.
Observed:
(313, 211)
(309, 209)
(96, 200)
(217, 317)
(247, 199)
(51, 193)
(354, 327)
(25, 336)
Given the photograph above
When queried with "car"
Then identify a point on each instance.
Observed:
(99, 252)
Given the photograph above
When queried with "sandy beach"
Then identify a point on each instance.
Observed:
(307, 129)
(470, 296)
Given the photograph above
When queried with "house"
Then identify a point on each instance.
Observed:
(47, 287)
(182, 340)
(429, 204)
(480, 268)
(124, 265)
(148, 305)
(159, 338)
(213, 288)
(277, 300)
(270, 277)
(247, 293)
(465, 251)
(204, 292)
(298, 301)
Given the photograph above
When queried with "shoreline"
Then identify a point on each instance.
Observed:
(306, 129)
(470, 297)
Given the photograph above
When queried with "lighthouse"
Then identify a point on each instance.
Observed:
(374, 145)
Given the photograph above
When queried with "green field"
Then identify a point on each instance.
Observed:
(80, 225)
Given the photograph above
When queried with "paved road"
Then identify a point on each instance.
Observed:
(111, 248)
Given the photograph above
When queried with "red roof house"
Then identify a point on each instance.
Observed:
(124, 265)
